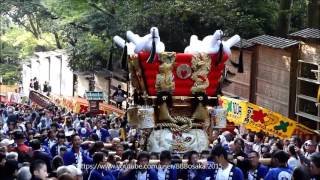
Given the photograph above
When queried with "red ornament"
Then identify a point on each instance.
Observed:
(183, 73)
(258, 116)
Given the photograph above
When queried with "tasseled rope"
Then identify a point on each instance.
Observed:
(174, 127)
(110, 66)
(153, 50)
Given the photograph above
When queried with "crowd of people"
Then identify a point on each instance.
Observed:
(52, 143)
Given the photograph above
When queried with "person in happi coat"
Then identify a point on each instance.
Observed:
(240, 159)
(281, 170)
(100, 171)
(41, 138)
(192, 173)
(29, 127)
(226, 170)
(257, 171)
(75, 155)
(83, 131)
(50, 140)
(166, 171)
(56, 148)
(102, 133)
(141, 173)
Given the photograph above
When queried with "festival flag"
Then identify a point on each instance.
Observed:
(236, 109)
(262, 119)
(284, 127)
(256, 118)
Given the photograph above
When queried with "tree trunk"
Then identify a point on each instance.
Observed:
(314, 13)
(33, 27)
(284, 18)
(56, 37)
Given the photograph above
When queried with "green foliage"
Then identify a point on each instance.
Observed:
(86, 27)
(8, 53)
(298, 15)
(68, 11)
(10, 73)
(24, 44)
(89, 54)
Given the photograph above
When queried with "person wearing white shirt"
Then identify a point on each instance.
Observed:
(226, 170)
(258, 140)
(294, 160)
(224, 173)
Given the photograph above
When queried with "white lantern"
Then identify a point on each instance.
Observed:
(146, 117)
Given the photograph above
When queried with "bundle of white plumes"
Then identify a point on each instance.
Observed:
(137, 44)
(211, 44)
(122, 43)
(145, 43)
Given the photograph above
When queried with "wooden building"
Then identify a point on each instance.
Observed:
(269, 77)
(274, 76)
(308, 80)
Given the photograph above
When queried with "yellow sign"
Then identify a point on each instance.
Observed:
(236, 109)
(256, 118)
(261, 119)
(284, 128)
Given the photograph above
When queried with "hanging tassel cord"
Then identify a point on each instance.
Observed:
(110, 65)
(124, 62)
(239, 65)
(220, 54)
(153, 50)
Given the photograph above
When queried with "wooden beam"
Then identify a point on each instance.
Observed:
(253, 82)
(309, 80)
(308, 116)
(312, 99)
(308, 62)
(295, 53)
